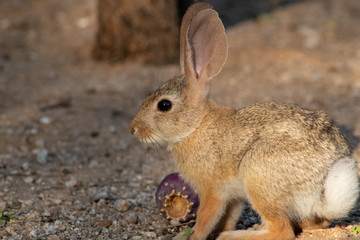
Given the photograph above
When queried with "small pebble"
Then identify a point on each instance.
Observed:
(137, 238)
(100, 195)
(33, 233)
(174, 222)
(113, 189)
(151, 235)
(53, 237)
(2, 205)
(34, 131)
(46, 213)
(32, 216)
(25, 166)
(122, 205)
(160, 231)
(49, 229)
(123, 223)
(45, 120)
(92, 211)
(26, 202)
(112, 129)
(41, 156)
(38, 181)
(58, 223)
(71, 182)
(132, 218)
(101, 202)
(29, 179)
(56, 201)
(104, 223)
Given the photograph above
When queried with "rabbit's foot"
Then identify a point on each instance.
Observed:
(228, 235)
(264, 234)
(314, 224)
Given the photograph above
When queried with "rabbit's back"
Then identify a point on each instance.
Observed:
(290, 138)
(309, 127)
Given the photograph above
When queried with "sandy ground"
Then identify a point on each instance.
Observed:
(67, 160)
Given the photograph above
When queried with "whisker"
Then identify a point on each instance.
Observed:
(157, 146)
(158, 137)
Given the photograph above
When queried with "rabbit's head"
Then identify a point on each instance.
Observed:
(174, 110)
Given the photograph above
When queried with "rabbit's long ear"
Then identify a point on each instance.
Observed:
(204, 45)
(188, 16)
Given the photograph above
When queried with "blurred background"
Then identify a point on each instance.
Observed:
(74, 72)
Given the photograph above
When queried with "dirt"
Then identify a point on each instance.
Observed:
(69, 167)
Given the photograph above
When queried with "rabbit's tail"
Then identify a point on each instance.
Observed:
(341, 189)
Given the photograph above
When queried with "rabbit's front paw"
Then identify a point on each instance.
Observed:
(228, 235)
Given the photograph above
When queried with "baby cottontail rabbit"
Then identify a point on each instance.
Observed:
(292, 165)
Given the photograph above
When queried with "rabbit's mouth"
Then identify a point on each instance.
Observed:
(152, 139)
(145, 135)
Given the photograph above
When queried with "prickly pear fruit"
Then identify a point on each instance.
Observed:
(177, 199)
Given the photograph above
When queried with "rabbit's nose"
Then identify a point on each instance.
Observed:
(133, 128)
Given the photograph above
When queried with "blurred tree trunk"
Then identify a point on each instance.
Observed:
(146, 31)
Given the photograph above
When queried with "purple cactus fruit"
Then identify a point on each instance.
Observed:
(176, 199)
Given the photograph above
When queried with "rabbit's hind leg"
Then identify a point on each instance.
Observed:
(275, 222)
(277, 229)
(316, 223)
(231, 216)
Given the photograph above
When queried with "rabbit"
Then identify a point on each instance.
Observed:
(291, 164)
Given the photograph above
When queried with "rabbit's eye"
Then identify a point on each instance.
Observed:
(164, 105)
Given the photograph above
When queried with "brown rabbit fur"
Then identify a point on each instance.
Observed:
(292, 165)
